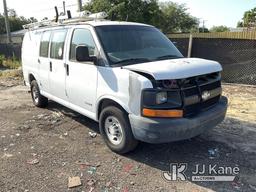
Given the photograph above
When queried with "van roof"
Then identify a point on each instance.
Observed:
(106, 22)
(92, 23)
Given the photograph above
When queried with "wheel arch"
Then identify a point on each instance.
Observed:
(31, 77)
(107, 101)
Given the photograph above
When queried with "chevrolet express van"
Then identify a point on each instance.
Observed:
(129, 77)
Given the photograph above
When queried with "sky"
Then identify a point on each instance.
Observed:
(213, 12)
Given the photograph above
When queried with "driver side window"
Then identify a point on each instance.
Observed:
(82, 37)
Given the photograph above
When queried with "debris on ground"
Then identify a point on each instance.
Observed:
(234, 139)
(91, 182)
(7, 155)
(91, 189)
(92, 134)
(127, 167)
(74, 182)
(57, 114)
(24, 127)
(33, 161)
(104, 190)
(92, 170)
(109, 184)
(213, 153)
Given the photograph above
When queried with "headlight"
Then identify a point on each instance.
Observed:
(161, 97)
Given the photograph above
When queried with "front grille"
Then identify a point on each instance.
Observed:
(200, 93)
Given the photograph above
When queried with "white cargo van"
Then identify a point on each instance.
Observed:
(127, 76)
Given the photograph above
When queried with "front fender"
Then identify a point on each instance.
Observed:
(113, 98)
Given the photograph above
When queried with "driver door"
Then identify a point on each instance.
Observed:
(81, 77)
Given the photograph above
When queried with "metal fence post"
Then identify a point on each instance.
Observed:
(190, 43)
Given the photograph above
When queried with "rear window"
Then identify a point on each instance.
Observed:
(44, 45)
(57, 44)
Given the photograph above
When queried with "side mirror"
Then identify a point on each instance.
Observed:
(82, 54)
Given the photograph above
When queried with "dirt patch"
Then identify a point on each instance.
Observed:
(40, 149)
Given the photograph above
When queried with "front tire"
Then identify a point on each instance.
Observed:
(116, 130)
(38, 99)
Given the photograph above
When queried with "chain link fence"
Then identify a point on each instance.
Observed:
(235, 51)
(13, 50)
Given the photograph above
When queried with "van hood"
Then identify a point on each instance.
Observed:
(176, 68)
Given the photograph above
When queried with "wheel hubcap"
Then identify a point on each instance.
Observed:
(35, 94)
(113, 130)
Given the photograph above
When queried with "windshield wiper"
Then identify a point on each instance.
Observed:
(132, 60)
(168, 57)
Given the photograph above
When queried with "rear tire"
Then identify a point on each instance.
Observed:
(116, 130)
(38, 99)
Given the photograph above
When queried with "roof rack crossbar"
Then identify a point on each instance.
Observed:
(87, 16)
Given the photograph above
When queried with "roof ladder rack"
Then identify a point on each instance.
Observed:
(83, 17)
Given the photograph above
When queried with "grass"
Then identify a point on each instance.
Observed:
(10, 73)
(9, 63)
(10, 66)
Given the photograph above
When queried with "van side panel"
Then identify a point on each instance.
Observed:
(30, 53)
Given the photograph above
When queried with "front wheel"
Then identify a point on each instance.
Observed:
(38, 99)
(116, 130)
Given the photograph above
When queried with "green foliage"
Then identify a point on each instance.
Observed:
(15, 22)
(240, 24)
(10, 63)
(122, 10)
(203, 30)
(11, 73)
(169, 17)
(220, 28)
(2, 58)
(249, 19)
(176, 19)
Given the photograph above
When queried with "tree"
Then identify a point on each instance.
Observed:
(169, 17)
(220, 28)
(240, 24)
(125, 10)
(15, 21)
(12, 13)
(176, 18)
(249, 19)
(203, 30)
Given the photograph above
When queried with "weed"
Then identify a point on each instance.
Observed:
(9, 63)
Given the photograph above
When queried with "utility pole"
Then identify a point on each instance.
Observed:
(79, 4)
(7, 25)
(203, 26)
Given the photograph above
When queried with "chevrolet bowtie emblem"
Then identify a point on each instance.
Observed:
(206, 95)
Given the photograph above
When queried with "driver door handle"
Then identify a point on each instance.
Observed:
(67, 68)
(50, 66)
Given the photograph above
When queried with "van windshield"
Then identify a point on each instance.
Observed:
(130, 44)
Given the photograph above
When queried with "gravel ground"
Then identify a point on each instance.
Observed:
(41, 148)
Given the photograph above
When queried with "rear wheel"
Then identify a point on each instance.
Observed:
(38, 99)
(116, 130)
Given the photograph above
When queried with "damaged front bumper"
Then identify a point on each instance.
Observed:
(163, 130)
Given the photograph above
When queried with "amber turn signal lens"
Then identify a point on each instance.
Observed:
(162, 113)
